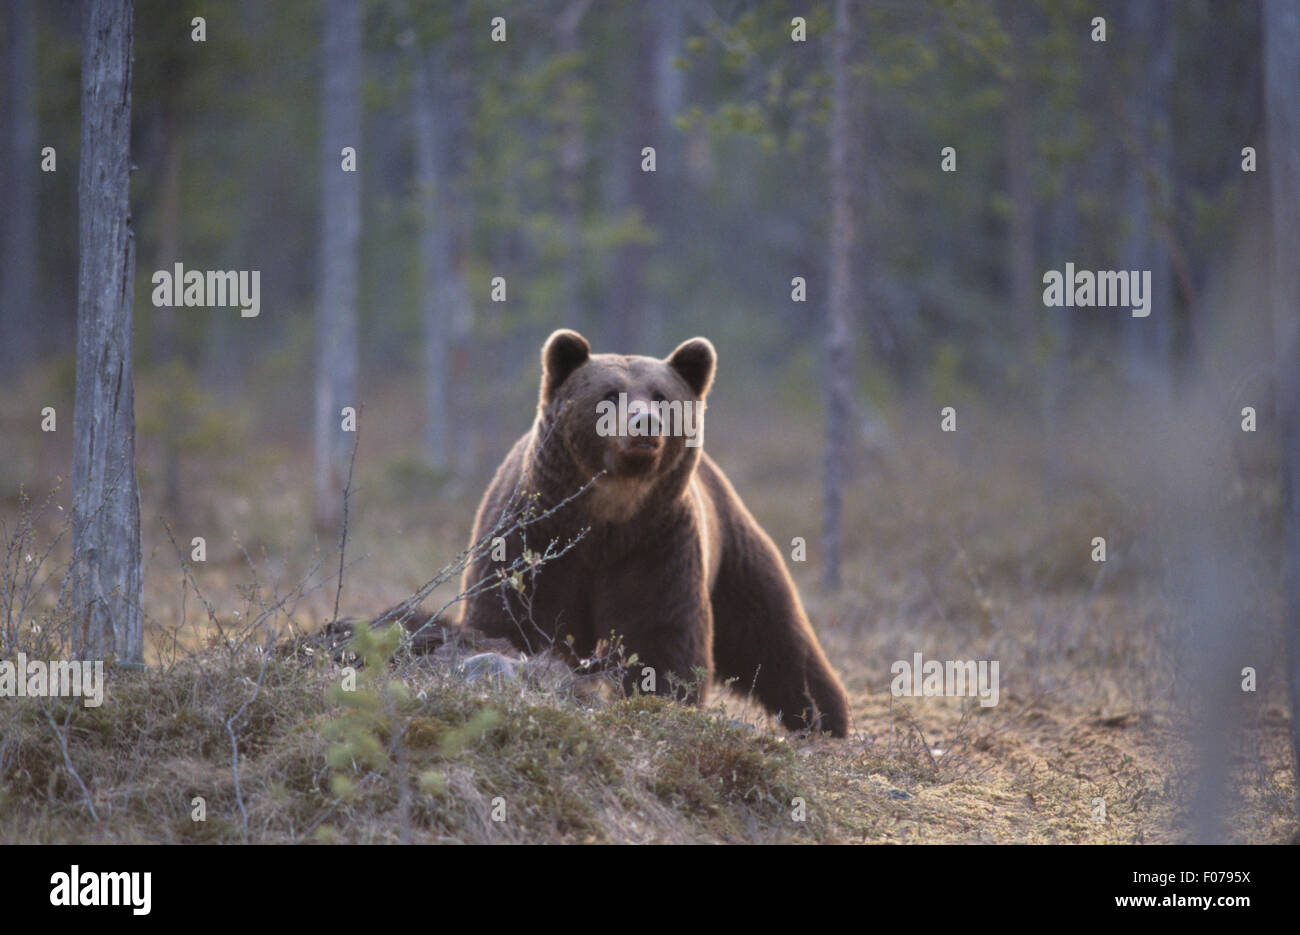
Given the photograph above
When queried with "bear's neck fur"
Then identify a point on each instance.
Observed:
(610, 505)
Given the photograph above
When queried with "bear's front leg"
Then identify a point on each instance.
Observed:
(764, 640)
(666, 624)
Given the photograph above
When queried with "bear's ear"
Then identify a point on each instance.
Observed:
(564, 352)
(695, 360)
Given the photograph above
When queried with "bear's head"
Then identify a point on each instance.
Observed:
(627, 418)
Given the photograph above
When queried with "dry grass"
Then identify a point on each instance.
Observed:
(635, 770)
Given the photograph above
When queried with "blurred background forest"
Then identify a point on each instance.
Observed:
(774, 160)
(522, 160)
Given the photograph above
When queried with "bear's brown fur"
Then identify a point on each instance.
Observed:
(672, 561)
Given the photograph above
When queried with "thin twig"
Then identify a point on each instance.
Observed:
(234, 743)
(67, 757)
(343, 533)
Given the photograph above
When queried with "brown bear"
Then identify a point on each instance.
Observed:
(669, 558)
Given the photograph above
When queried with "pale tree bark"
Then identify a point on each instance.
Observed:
(1281, 24)
(166, 344)
(573, 157)
(1018, 140)
(1148, 341)
(435, 259)
(1033, 325)
(336, 313)
(640, 129)
(18, 312)
(840, 326)
(106, 514)
(455, 103)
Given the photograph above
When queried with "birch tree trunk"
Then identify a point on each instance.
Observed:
(435, 252)
(1148, 341)
(640, 129)
(1281, 26)
(839, 334)
(456, 99)
(1020, 182)
(336, 314)
(106, 514)
(166, 339)
(573, 156)
(18, 312)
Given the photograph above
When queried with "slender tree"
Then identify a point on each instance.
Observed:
(336, 313)
(1281, 23)
(640, 129)
(18, 313)
(1018, 142)
(435, 257)
(1149, 341)
(454, 88)
(440, 118)
(573, 154)
(106, 515)
(840, 329)
(171, 62)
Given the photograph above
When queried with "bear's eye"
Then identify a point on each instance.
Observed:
(611, 397)
(658, 397)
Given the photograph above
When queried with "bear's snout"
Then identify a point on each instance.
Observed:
(641, 443)
(635, 454)
(643, 423)
(636, 449)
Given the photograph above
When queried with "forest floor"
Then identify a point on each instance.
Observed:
(1096, 736)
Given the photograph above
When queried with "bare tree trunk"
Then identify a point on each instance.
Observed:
(18, 312)
(336, 317)
(1149, 341)
(1020, 181)
(640, 129)
(839, 336)
(165, 336)
(573, 157)
(106, 515)
(1281, 81)
(458, 305)
(434, 258)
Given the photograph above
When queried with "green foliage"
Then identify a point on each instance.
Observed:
(369, 709)
(380, 727)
